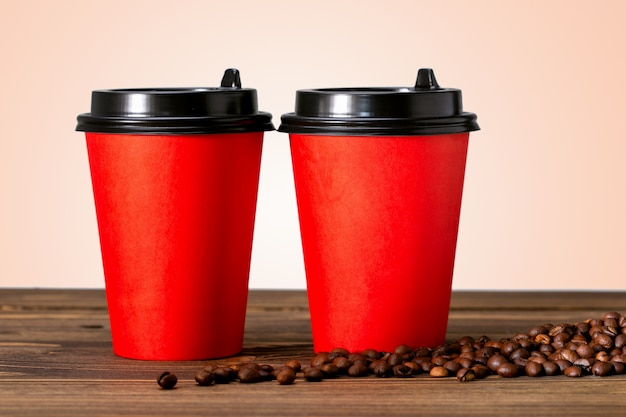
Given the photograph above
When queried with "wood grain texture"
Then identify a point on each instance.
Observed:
(56, 360)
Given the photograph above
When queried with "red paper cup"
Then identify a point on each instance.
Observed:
(379, 198)
(175, 200)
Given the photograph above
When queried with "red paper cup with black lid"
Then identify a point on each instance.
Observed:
(175, 178)
(379, 177)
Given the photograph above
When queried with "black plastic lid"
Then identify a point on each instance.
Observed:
(425, 109)
(225, 109)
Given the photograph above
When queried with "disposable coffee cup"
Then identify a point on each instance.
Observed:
(175, 178)
(379, 177)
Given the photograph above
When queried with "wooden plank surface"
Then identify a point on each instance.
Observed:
(56, 359)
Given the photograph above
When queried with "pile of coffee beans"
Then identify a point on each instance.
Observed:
(592, 347)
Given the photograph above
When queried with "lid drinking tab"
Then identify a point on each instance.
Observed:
(426, 79)
(424, 109)
(231, 78)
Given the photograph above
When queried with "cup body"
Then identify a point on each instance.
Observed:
(378, 218)
(175, 217)
(379, 174)
(175, 175)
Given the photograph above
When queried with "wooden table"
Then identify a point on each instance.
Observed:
(56, 360)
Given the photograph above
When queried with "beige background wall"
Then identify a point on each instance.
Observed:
(545, 197)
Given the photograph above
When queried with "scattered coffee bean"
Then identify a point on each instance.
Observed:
(312, 374)
(342, 364)
(507, 370)
(358, 370)
(320, 359)
(204, 377)
(466, 375)
(294, 364)
(551, 368)
(248, 375)
(224, 374)
(382, 369)
(573, 371)
(601, 368)
(495, 361)
(402, 371)
(438, 372)
(286, 376)
(329, 370)
(533, 369)
(167, 380)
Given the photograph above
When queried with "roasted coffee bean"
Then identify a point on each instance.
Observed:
(464, 362)
(537, 330)
(320, 359)
(395, 359)
(483, 339)
(543, 339)
(551, 368)
(569, 355)
(342, 364)
(538, 357)
(439, 372)
(507, 370)
(281, 368)
(601, 368)
(520, 362)
(533, 369)
(618, 367)
(562, 338)
(371, 354)
(381, 369)
(224, 374)
(584, 364)
(167, 380)
(267, 376)
(358, 357)
(358, 370)
(248, 375)
(421, 352)
(427, 366)
(495, 361)
(466, 340)
(338, 352)
(452, 366)
(329, 370)
(585, 351)
(204, 378)
(493, 346)
(312, 374)
(286, 376)
(466, 375)
(415, 368)
(481, 371)
(508, 347)
(562, 364)
(294, 364)
(440, 360)
(403, 350)
(521, 353)
(546, 348)
(573, 372)
(402, 371)
(603, 340)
